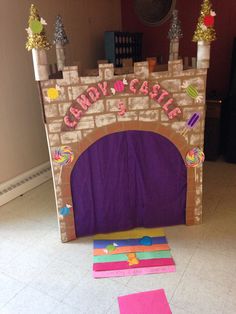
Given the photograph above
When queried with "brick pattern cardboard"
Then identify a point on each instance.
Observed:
(142, 113)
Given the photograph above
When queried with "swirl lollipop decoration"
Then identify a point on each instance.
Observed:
(194, 158)
(63, 156)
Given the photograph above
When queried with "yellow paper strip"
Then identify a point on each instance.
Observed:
(131, 234)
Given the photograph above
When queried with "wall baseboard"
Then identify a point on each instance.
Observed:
(24, 182)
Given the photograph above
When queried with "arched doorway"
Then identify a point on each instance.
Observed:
(128, 179)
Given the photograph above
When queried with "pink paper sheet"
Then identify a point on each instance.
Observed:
(142, 263)
(150, 302)
(134, 272)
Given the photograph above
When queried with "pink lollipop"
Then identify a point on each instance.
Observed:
(63, 156)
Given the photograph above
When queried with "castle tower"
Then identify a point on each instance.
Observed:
(205, 34)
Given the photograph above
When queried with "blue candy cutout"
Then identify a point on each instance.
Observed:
(146, 241)
(65, 211)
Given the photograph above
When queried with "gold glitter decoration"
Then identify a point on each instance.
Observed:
(204, 33)
(36, 40)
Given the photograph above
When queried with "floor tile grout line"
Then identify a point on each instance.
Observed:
(13, 297)
(182, 276)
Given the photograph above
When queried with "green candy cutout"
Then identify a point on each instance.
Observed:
(110, 248)
(36, 26)
(192, 91)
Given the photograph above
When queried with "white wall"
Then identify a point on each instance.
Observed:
(22, 137)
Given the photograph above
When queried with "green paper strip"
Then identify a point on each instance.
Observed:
(123, 257)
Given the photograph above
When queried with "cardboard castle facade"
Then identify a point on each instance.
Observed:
(82, 110)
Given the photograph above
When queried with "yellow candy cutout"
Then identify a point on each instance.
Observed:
(52, 93)
(132, 259)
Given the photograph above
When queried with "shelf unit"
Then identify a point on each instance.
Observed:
(123, 45)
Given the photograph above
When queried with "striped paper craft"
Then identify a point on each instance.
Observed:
(136, 252)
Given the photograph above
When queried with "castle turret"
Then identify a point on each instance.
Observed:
(38, 43)
(60, 40)
(205, 34)
(174, 34)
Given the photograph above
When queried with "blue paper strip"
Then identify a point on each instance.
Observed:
(99, 244)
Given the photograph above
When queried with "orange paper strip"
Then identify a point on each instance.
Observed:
(134, 249)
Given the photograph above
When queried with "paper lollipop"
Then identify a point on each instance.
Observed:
(63, 156)
(191, 123)
(194, 158)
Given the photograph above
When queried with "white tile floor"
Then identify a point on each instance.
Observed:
(38, 274)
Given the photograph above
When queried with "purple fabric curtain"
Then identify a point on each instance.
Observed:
(126, 180)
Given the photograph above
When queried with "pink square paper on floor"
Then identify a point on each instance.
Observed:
(150, 302)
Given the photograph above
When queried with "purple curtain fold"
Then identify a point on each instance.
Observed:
(126, 180)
